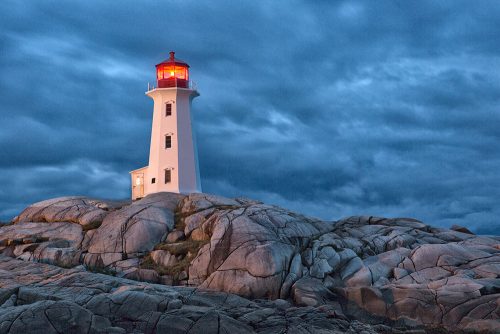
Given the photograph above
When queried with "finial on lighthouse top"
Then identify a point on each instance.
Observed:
(172, 73)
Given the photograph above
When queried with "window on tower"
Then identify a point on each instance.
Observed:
(168, 109)
(153, 180)
(168, 141)
(168, 176)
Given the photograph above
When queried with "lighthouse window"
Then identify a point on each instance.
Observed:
(168, 176)
(168, 109)
(168, 141)
(169, 72)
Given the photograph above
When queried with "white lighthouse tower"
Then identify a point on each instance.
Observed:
(173, 157)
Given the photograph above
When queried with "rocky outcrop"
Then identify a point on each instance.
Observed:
(131, 231)
(37, 297)
(251, 244)
(401, 272)
(77, 209)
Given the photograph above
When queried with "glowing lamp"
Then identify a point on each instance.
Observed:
(172, 73)
(138, 181)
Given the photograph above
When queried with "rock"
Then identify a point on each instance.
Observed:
(20, 249)
(378, 268)
(428, 256)
(241, 243)
(172, 323)
(87, 238)
(53, 317)
(320, 268)
(9, 302)
(198, 202)
(45, 231)
(257, 315)
(163, 258)
(346, 255)
(51, 252)
(166, 280)
(80, 210)
(76, 301)
(310, 292)
(459, 228)
(198, 235)
(194, 221)
(135, 229)
(102, 260)
(145, 275)
(175, 236)
(398, 271)
(281, 304)
(351, 267)
(295, 272)
(124, 265)
(332, 257)
(182, 276)
(307, 257)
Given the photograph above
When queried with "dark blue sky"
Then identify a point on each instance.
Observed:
(331, 108)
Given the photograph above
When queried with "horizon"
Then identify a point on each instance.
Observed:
(329, 110)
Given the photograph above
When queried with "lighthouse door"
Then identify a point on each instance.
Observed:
(138, 186)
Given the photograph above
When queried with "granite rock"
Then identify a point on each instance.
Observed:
(45, 298)
(398, 271)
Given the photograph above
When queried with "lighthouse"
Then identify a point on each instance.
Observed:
(173, 157)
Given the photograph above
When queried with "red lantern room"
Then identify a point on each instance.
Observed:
(172, 73)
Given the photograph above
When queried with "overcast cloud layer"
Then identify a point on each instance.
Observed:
(330, 108)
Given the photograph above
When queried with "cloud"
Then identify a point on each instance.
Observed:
(330, 109)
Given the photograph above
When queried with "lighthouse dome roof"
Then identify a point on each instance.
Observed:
(173, 61)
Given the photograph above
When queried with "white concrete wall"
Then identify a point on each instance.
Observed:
(181, 158)
(188, 171)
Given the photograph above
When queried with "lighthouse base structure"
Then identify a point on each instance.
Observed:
(173, 156)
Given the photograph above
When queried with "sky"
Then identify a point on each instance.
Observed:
(328, 108)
